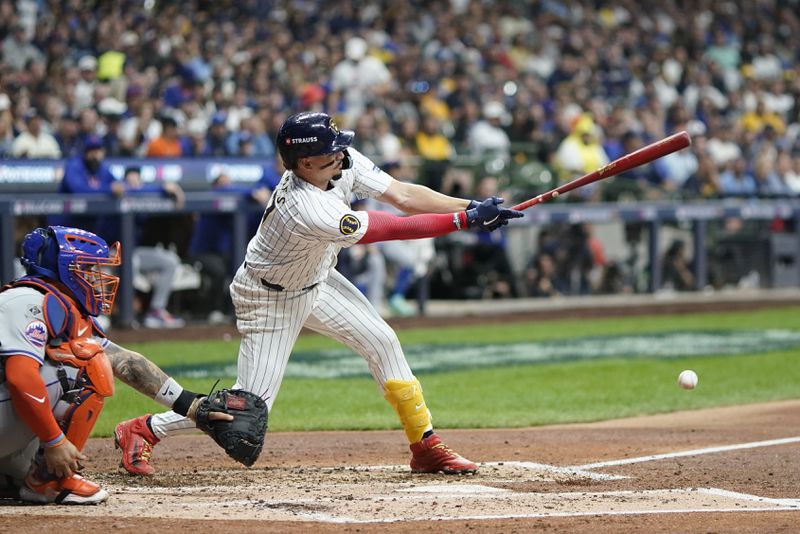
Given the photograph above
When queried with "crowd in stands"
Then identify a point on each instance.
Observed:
(568, 84)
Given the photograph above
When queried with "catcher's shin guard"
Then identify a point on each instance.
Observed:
(406, 398)
(81, 417)
(136, 441)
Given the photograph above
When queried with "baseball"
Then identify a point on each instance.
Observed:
(555, 194)
(687, 379)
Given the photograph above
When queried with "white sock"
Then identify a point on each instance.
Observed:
(170, 423)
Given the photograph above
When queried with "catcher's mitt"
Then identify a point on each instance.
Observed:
(243, 437)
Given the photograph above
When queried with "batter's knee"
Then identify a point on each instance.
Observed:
(387, 339)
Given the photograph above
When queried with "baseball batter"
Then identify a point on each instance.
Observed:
(288, 280)
(57, 367)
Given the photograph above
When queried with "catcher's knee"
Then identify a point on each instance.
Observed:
(406, 398)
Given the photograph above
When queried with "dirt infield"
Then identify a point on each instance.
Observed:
(732, 469)
(740, 475)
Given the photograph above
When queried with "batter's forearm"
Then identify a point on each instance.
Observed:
(135, 370)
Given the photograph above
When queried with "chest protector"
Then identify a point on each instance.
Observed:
(71, 341)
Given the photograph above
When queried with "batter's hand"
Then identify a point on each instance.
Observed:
(488, 215)
(212, 416)
(64, 459)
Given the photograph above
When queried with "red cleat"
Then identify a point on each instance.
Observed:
(432, 456)
(68, 490)
(136, 441)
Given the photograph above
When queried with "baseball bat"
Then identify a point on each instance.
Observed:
(646, 154)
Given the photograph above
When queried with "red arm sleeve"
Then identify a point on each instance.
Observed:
(386, 227)
(30, 400)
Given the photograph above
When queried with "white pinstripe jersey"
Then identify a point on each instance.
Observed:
(304, 227)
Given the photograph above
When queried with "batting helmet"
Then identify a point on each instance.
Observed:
(75, 258)
(311, 134)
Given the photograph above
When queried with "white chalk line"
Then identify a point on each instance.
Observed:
(792, 503)
(695, 452)
(329, 518)
(570, 471)
(778, 505)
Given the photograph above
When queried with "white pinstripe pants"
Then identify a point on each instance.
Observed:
(269, 322)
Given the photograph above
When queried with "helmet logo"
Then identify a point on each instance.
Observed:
(334, 127)
(300, 140)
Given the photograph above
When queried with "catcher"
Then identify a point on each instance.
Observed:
(57, 367)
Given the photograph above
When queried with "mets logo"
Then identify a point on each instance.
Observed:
(349, 224)
(36, 334)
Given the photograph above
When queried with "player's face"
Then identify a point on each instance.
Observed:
(327, 167)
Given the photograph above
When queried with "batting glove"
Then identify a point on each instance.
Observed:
(488, 215)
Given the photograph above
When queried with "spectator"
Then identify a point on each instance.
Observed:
(111, 112)
(542, 277)
(365, 266)
(168, 144)
(88, 126)
(487, 137)
(90, 173)
(706, 182)
(6, 127)
(402, 263)
(35, 142)
(193, 144)
(769, 182)
(489, 253)
(85, 87)
(69, 141)
(675, 271)
(217, 136)
(435, 150)
(722, 145)
(581, 153)
(156, 264)
(357, 79)
(639, 183)
(736, 181)
(18, 51)
(251, 131)
(757, 120)
(211, 246)
(701, 64)
(138, 128)
(790, 166)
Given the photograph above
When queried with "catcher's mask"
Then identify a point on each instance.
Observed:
(312, 134)
(77, 259)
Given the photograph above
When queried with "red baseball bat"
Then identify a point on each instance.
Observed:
(646, 154)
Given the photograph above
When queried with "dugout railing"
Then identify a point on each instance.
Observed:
(651, 215)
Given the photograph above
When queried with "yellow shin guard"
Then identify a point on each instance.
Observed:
(406, 398)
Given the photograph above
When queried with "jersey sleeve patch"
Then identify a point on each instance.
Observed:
(36, 334)
(349, 224)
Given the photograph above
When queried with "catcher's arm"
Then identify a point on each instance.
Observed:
(148, 379)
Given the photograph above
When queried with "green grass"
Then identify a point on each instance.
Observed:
(518, 395)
